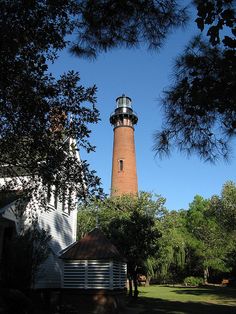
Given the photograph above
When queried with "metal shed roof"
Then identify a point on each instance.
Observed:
(94, 246)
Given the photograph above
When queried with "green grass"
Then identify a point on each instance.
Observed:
(183, 300)
(216, 295)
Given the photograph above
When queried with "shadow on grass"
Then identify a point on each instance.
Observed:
(220, 292)
(152, 306)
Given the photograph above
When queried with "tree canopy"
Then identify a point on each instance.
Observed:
(200, 107)
(103, 25)
(208, 238)
(170, 258)
(130, 223)
(169, 246)
(40, 112)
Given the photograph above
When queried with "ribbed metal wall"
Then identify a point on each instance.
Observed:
(95, 275)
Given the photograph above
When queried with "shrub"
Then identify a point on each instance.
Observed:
(25, 253)
(193, 281)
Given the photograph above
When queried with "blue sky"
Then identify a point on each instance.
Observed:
(143, 75)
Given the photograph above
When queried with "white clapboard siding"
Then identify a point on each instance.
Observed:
(50, 273)
(62, 228)
(59, 220)
(94, 274)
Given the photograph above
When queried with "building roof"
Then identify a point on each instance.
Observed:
(7, 212)
(9, 196)
(94, 246)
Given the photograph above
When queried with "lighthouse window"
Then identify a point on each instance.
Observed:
(121, 165)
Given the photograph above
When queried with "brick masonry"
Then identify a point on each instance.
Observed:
(124, 175)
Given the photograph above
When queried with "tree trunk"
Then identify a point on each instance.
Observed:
(130, 288)
(206, 275)
(147, 282)
(135, 287)
(135, 280)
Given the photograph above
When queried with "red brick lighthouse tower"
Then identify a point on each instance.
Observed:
(124, 174)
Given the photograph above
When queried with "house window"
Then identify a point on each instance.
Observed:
(121, 165)
(49, 194)
(65, 207)
(56, 198)
(63, 203)
(69, 204)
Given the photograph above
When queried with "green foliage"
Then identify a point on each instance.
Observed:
(130, 223)
(169, 246)
(194, 242)
(170, 258)
(193, 281)
(224, 206)
(199, 108)
(39, 112)
(216, 16)
(208, 239)
(135, 237)
(150, 265)
(105, 211)
(107, 24)
(224, 209)
(86, 221)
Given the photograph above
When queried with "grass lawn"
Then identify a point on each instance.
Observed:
(182, 300)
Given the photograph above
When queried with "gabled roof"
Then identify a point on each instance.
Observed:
(94, 246)
(9, 196)
(7, 212)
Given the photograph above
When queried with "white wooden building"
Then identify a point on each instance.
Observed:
(58, 220)
(94, 263)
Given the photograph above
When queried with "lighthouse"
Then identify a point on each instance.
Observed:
(124, 174)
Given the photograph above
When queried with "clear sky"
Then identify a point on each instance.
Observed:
(143, 75)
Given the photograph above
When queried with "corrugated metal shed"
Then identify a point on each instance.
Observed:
(94, 246)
